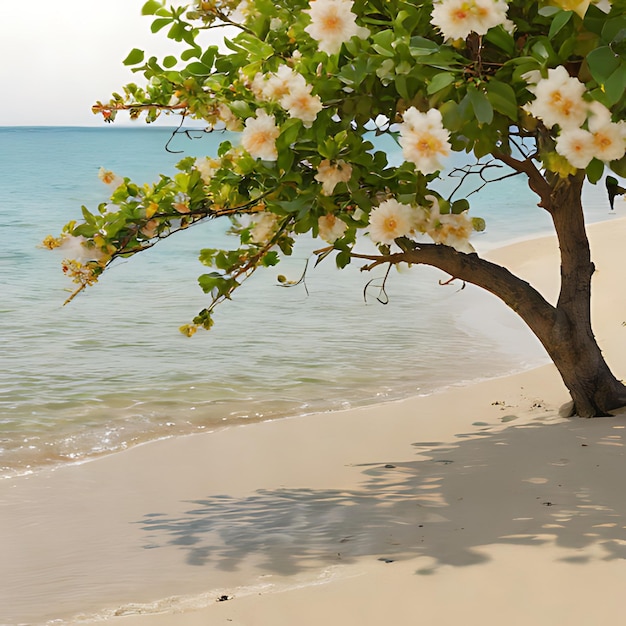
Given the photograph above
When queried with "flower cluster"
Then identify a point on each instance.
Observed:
(332, 24)
(456, 19)
(392, 219)
(291, 91)
(424, 140)
(585, 127)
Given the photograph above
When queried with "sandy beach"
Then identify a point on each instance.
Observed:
(479, 504)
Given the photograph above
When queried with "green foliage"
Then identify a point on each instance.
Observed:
(481, 84)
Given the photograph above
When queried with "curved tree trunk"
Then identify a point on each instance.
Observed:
(572, 345)
(565, 329)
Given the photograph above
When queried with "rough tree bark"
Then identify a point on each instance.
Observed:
(564, 329)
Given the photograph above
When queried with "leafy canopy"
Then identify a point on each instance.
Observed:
(305, 87)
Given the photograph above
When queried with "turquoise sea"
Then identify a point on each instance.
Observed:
(111, 369)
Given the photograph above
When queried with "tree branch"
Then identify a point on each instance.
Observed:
(516, 293)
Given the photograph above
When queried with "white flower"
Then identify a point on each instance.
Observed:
(559, 100)
(76, 249)
(603, 5)
(390, 220)
(275, 85)
(299, 103)
(576, 145)
(456, 19)
(231, 121)
(424, 140)
(609, 138)
(609, 142)
(331, 175)
(207, 168)
(259, 136)
(331, 227)
(242, 13)
(453, 230)
(110, 178)
(332, 23)
(264, 227)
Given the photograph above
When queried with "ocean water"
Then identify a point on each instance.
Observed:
(111, 369)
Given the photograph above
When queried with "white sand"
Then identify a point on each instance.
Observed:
(479, 505)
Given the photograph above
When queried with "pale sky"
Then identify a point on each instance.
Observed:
(57, 58)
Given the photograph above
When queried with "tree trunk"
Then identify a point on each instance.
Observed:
(572, 345)
(565, 329)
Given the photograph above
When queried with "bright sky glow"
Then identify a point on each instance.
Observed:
(58, 58)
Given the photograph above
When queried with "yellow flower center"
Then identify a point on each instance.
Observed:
(429, 145)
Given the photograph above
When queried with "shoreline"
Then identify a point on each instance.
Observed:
(478, 503)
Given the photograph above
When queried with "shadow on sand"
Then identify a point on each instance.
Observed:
(547, 480)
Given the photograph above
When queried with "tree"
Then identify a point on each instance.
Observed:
(535, 86)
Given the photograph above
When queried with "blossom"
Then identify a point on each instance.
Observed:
(110, 178)
(331, 175)
(259, 136)
(576, 145)
(424, 140)
(453, 230)
(609, 138)
(559, 100)
(231, 121)
(207, 168)
(331, 227)
(302, 105)
(264, 226)
(456, 19)
(333, 23)
(275, 85)
(79, 249)
(390, 220)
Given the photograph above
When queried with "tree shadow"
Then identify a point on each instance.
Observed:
(547, 480)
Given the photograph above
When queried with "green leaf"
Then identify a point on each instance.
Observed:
(502, 39)
(190, 53)
(615, 85)
(170, 61)
(269, 259)
(502, 99)
(619, 167)
(613, 30)
(481, 106)
(162, 22)
(440, 81)
(459, 206)
(151, 7)
(198, 69)
(134, 57)
(594, 171)
(602, 63)
(421, 46)
(559, 21)
(548, 11)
